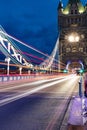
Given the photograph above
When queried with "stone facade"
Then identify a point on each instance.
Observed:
(72, 25)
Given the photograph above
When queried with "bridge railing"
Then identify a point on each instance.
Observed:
(8, 78)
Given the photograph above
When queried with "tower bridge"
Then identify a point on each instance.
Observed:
(70, 50)
(47, 102)
(72, 21)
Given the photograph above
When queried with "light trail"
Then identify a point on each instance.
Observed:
(16, 65)
(29, 92)
(50, 59)
(34, 83)
(28, 46)
(33, 56)
(26, 67)
(23, 43)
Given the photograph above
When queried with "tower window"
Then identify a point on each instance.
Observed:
(68, 20)
(71, 11)
(75, 20)
(74, 49)
(67, 49)
(75, 11)
(79, 19)
(72, 20)
(81, 49)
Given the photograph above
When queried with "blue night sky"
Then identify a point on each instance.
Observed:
(31, 21)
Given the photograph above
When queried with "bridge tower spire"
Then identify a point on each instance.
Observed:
(60, 5)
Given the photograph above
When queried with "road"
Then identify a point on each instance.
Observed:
(37, 105)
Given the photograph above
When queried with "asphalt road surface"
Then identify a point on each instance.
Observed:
(37, 105)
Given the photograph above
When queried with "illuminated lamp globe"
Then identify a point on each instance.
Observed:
(71, 38)
(77, 38)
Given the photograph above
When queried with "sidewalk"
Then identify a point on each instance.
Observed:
(73, 127)
(78, 114)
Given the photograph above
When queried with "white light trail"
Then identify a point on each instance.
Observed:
(34, 90)
(52, 55)
(48, 62)
(50, 59)
(29, 84)
(23, 43)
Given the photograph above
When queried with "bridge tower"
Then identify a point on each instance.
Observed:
(72, 25)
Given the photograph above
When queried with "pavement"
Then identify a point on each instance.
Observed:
(73, 127)
(78, 114)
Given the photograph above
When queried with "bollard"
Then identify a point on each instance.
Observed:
(80, 88)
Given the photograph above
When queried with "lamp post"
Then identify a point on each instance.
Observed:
(8, 61)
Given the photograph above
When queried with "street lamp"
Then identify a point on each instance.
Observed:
(74, 37)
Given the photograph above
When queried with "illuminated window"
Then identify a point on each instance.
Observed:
(74, 49)
(81, 49)
(67, 49)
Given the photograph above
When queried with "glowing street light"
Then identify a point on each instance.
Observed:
(73, 37)
(77, 38)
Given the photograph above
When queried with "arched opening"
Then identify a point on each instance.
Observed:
(76, 65)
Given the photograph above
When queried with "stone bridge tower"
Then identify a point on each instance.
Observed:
(72, 25)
